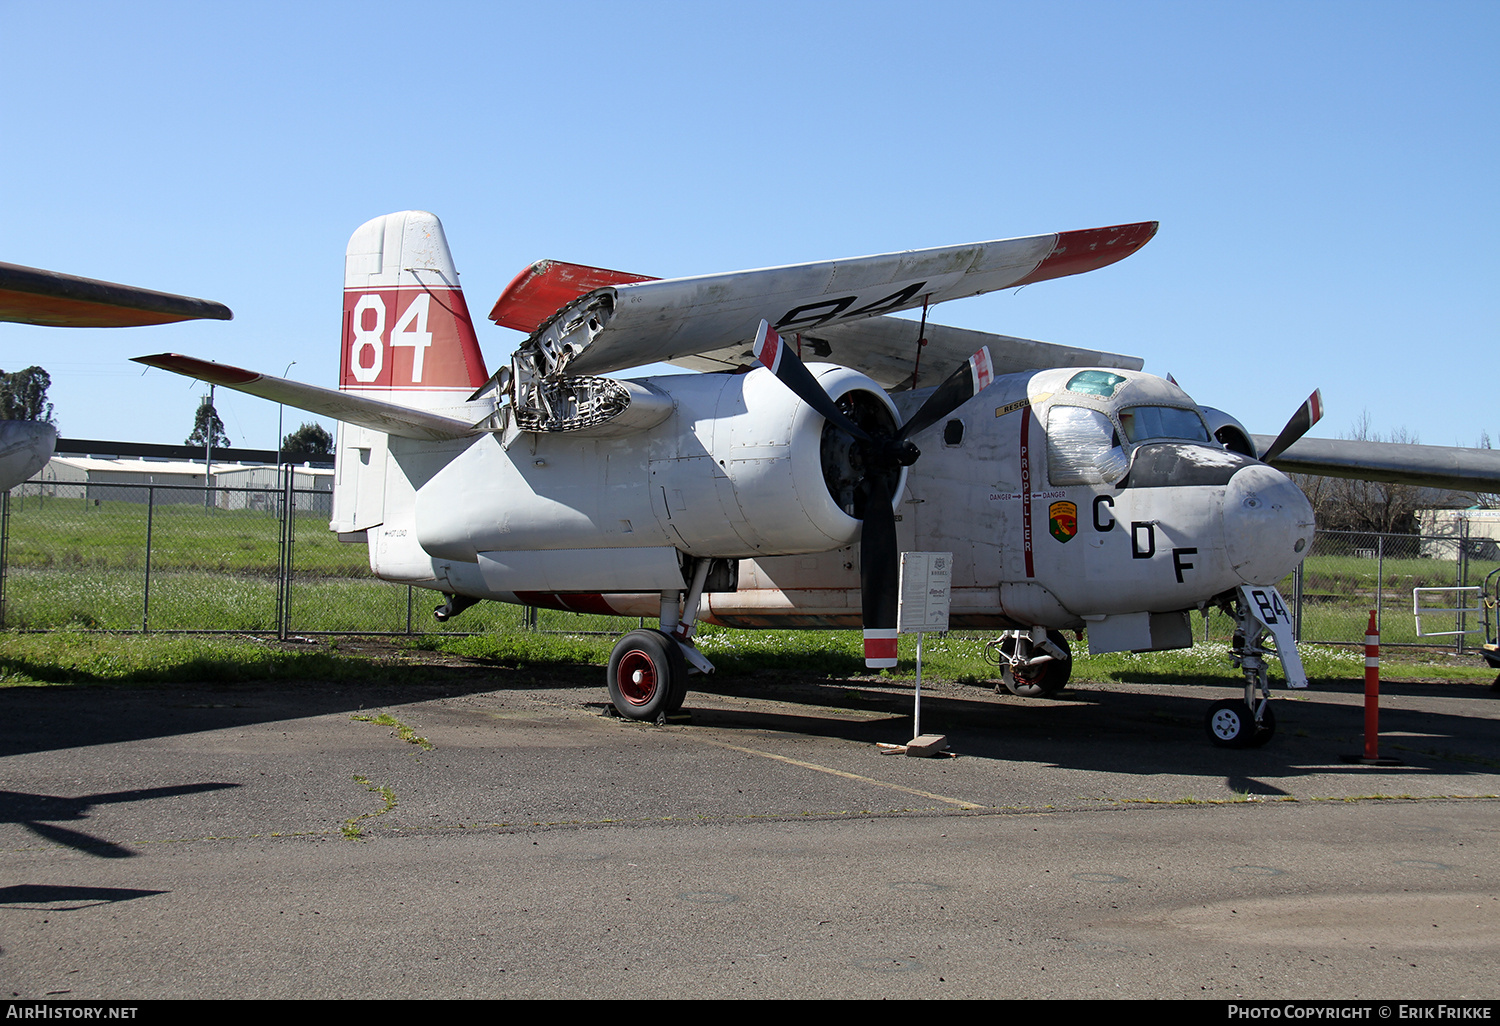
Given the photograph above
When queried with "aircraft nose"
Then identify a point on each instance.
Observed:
(1268, 524)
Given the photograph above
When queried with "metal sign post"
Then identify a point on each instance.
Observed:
(926, 584)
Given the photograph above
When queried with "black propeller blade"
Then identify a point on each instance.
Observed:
(1302, 421)
(879, 574)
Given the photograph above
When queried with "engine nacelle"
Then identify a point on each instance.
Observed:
(1229, 432)
(741, 468)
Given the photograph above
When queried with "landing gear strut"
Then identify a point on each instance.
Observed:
(1034, 663)
(1250, 722)
(648, 669)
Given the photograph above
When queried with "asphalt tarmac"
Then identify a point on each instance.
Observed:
(297, 841)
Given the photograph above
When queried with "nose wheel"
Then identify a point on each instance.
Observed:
(1232, 724)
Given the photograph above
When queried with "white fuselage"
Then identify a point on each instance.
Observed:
(1069, 499)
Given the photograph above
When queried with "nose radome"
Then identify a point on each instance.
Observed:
(1268, 524)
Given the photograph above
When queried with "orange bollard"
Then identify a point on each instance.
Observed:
(1371, 756)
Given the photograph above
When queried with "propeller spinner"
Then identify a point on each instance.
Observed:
(879, 451)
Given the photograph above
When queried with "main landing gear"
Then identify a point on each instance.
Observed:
(1034, 663)
(647, 675)
(648, 669)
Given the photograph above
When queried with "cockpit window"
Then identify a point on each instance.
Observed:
(1082, 447)
(1095, 382)
(1143, 423)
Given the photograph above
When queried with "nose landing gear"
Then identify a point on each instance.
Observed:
(1258, 614)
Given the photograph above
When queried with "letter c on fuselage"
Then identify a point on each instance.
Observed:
(1100, 525)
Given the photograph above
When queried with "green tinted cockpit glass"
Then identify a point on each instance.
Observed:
(1146, 422)
(1095, 382)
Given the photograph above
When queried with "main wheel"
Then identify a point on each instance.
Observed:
(647, 675)
(1231, 724)
(1043, 680)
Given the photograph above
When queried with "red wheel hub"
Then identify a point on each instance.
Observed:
(636, 677)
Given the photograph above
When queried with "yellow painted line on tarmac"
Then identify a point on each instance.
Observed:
(961, 803)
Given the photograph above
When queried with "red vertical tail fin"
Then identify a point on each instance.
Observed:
(408, 337)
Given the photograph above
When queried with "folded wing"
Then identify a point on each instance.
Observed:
(621, 324)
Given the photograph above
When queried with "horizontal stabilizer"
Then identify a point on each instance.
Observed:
(351, 409)
(29, 295)
(1428, 466)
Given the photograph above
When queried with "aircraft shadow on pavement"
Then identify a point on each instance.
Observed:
(41, 813)
(79, 715)
(1141, 733)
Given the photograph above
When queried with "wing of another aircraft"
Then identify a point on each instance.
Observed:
(1428, 466)
(620, 324)
(404, 421)
(29, 295)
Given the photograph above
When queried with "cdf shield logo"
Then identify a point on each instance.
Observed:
(1062, 520)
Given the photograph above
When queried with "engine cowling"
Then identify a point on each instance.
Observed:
(741, 468)
(757, 471)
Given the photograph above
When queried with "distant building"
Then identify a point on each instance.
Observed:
(96, 479)
(1443, 531)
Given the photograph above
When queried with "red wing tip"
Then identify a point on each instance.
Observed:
(547, 286)
(1089, 249)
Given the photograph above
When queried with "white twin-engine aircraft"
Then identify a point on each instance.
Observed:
(1075, 492)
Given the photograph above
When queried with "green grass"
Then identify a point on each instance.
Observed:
(73, 533)
(77, 657)
(74, 657)
(74, 564)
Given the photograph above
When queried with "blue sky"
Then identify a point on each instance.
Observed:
(1325, 175)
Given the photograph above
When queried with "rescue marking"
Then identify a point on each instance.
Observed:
(1021, 404)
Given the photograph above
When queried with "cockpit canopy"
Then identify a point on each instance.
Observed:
(1096, 419)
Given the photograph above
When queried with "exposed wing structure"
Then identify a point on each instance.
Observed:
(29, 295)
(616, 326)
(549, 285)
(352, 409)
(1430, 466)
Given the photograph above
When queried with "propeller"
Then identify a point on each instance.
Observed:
(1308, 414)
(879, 452)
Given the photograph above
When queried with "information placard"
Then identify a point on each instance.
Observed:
(926, 580)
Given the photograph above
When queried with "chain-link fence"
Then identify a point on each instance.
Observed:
(132, 557)
(129, 557)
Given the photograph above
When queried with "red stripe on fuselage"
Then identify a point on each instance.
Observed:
(1026, 490)
(579, 603)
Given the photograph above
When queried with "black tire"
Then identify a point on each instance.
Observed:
(647, 675)
(1042, 681)
(1231, 724)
